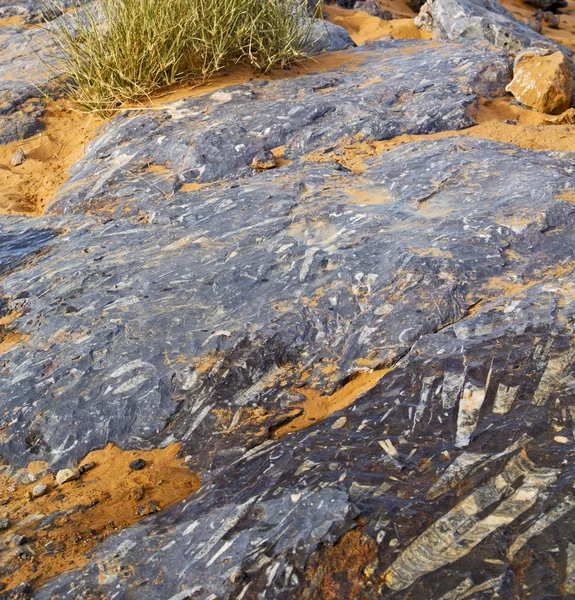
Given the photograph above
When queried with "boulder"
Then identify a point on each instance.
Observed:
(547, 4)
(543, 81)
(449, 262)
(329, 37)
(480, 19)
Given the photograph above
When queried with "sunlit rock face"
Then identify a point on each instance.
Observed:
(364, 351)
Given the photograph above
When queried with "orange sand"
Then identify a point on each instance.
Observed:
(317, 407)
(364, 28)
(27, 189)
(104, 500)
(526, 128)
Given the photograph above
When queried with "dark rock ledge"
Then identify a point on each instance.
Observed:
(149, 308)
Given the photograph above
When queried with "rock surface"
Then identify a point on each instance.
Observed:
(371, 368)
(484, 20)
(231, 126)
(36, 11)
(329, 37)
(543, 82)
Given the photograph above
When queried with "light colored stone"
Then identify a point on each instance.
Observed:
(39, 490)
(543, 82)
(66, 475)
(18, 158)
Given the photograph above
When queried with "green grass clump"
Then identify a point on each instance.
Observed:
(124, 50)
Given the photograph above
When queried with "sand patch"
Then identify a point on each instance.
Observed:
(363, 28)
(316, 407)
(28, 188)
(61, 527)
(9, 337)
(15, 21)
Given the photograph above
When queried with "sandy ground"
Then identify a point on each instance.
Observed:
(53, 533)
(364, 28)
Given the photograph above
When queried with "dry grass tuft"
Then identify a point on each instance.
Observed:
(124, 50)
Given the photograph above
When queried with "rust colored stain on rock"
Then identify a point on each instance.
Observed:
(339, 571)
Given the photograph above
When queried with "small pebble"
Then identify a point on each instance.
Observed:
(264, 160)
(137, 464)
(87, 467)
(4, 523)
(137, 493)
(18, 158)
(39, 490)
(65, 475)
(148, 508)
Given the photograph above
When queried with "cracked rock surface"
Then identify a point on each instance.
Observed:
(173, 293)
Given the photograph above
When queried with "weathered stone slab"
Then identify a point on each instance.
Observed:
(392, 87)
(456, 463)
(151, 311)
(484, 20)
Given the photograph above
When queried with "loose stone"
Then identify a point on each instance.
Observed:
(138, 464)
(65, 475)
(18, 158)
(39, 490)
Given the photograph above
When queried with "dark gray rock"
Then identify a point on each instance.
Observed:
(415, 5)
(329, 37)
(548, 4)
(485, 20)
(371, 7)
(457, 463)
(27, 67)
(386, 90)
(147, 306)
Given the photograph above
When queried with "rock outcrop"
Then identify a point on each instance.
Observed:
(481, 19)
(367, 362)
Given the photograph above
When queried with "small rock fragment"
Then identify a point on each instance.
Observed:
(18, 158)
(39, 490)
(148, 508)
(24, 477)
(535, 25)
(4, 523)
(54, 547)
(137, 464)
(87, 467)
(542, 81)
(237, 577)
(551, 19)
(137, 493)
(65, 475)
(264, 160)
(424, 19)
